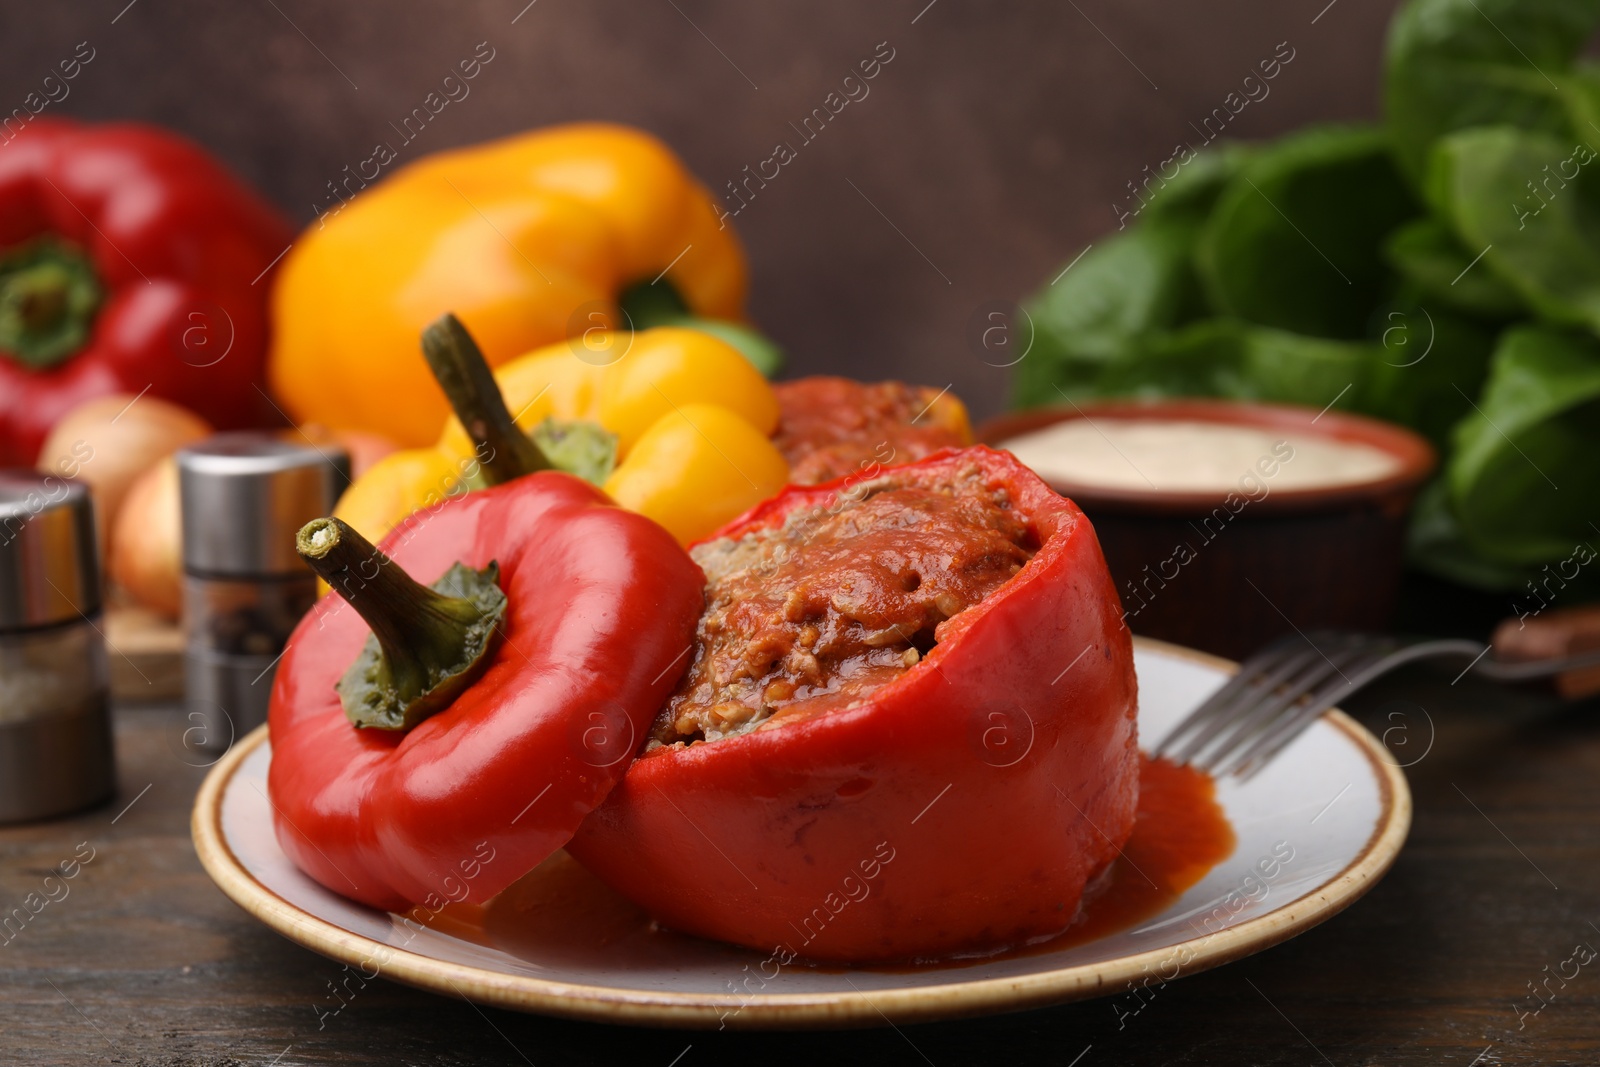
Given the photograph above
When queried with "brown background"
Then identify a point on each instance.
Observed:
(996, 140)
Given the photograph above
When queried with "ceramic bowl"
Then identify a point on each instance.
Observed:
(1228, 571)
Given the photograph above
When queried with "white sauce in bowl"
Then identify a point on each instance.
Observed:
(1166, 455)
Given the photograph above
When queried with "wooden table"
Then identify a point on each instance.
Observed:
(145, 962)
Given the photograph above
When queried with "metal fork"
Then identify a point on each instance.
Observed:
(1282, 689)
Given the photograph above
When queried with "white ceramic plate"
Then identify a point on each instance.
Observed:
(1334, 799)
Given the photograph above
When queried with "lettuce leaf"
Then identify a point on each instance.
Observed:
(1295, 239)
(1438, 266)
(1451, 64)
(1135, 282)
(1531, 203)
(1524, 480)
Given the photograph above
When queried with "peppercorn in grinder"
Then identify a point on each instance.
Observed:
(244, 587)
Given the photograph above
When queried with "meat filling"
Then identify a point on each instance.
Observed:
(815, 614)
(831, 427)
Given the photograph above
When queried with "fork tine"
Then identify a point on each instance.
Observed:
(1353, 674)
(1248, 724)
(1251, 673)
(1246, 704)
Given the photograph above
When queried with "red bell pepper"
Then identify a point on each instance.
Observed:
(961, 808)
(599, 608)
(129, 259)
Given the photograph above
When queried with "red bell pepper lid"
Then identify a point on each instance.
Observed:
(498, 707)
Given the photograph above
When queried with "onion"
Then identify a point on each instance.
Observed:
(110, 441)
(146, 553)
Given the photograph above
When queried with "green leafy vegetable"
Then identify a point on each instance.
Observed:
(1452, 64)
(1133, 283)
(1432, 364)
(1527, 202)
(1435, 541)
(1524, 481)
(1238, 361)
(1314, 371)
(1193, 193)
(1428, 255)
(1202, 359)
(1373, 269)
(1294, 239)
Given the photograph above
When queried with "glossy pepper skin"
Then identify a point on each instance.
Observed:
(170, 251)
(528, 240)
(691, 415)
(960, 809)
(601, 604)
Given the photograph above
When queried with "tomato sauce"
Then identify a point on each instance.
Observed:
(560, 914)
(832, 427)
(1179, 833)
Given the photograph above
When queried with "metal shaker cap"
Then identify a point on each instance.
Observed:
(49, 558)
(245, 494)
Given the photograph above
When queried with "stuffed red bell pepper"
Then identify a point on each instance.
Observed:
(907, 729)
(446, 739)
(129, 260)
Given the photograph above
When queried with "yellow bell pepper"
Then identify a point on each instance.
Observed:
(528, 240)
(397, 485)
(693, 421)
(625, 382)
(696, 468)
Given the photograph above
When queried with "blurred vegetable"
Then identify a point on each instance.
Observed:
(1485, 183)
(1134, 284)
(529, 240)
(1373, 270)
(1523, 478)
(110, 441)
(1451, 64)
(146, 557)
(1271, 288)
(1435, 263)
(130, 261)
(1293, 241)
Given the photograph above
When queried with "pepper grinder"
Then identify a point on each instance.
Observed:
(55, 683)
(244, 587)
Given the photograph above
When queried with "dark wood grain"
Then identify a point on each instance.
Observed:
(145, 961)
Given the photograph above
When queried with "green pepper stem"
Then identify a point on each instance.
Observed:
(48, 298)
(504, 451)
(423, 634)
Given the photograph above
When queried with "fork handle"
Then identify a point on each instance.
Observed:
(1558, 634)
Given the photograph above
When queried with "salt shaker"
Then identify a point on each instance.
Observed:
(55, 683)
(244, 587)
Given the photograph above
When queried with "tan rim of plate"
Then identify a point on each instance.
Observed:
(810, 1010)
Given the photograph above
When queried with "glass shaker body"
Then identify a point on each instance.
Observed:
(234, 631)
(243, 497)
(55, 681)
